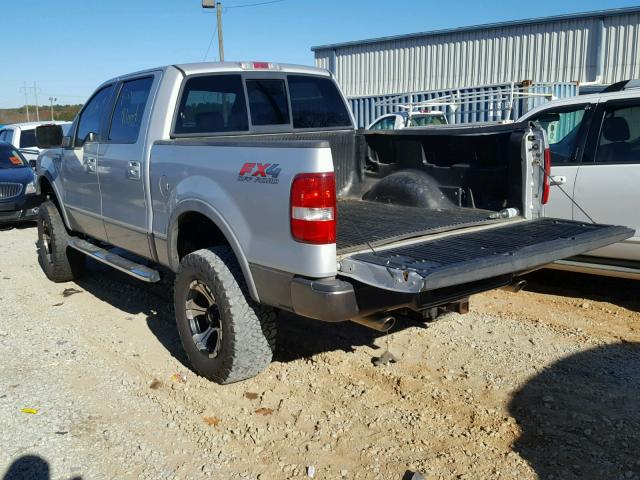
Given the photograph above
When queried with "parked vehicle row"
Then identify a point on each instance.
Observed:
(250, 182)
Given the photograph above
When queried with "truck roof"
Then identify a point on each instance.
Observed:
(204, 67)
(212, 67)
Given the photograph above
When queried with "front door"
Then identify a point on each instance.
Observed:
(79, 169)
(123, 157)
(566, 128)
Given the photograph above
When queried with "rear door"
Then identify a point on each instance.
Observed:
(566, 128)
(79, 169)
(608, 179)
(122, 159)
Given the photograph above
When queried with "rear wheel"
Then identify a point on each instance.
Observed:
(59, 262)
(227, 336)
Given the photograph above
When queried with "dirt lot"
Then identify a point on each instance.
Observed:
(542, 384)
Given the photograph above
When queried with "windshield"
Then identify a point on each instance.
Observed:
(426, 120)
(11, 158)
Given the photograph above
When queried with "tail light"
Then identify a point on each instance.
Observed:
(547, 176)
(313, 208)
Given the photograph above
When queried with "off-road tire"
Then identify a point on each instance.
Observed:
(59, 262)
(248, 328)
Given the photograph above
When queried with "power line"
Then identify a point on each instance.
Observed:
(254, 4)
(210, 43)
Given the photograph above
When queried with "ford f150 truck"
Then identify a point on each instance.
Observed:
(250, 182)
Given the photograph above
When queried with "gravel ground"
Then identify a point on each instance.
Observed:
(541, 384)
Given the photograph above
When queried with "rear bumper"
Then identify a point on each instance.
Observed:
(338, 300)
(329, 299)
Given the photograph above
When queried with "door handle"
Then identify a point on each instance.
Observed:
(90, 164)
(558, 179)
(133, 171)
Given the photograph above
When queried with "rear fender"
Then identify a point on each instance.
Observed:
(212, 214)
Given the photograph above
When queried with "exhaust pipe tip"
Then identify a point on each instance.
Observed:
(515, 287)
(381, 324)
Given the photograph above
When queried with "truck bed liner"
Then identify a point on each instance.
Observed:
(507, 249)
(378, 223)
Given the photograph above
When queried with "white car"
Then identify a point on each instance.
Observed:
(400, 120)
(23, 137)
(595, 174)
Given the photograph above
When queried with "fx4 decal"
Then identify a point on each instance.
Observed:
(259, 172)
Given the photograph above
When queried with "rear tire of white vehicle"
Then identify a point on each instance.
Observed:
(226, 335)
(59, 262)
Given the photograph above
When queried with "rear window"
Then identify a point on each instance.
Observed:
(28, 139)
(212, 104)
(316, 103)
(268, 102)
(11, 158)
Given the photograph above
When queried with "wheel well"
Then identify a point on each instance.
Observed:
(47, 191)
(196, 231)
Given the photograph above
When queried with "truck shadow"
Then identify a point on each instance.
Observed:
(619, 291)
(298, 337)
(580, 417)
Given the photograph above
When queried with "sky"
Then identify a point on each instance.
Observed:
(68, 47)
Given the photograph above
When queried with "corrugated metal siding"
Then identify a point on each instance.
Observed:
(621, 48)
(557, 51)
(489, 108)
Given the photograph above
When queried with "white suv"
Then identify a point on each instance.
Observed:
(23, 137)
(595, 157)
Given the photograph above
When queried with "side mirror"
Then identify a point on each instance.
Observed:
(48, 136)
(33, 164)
(90, 138)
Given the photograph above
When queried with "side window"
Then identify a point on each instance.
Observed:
(316, 103)
(92, 115)
(562, 132)
(386, 123)
(4, 136)
(268, 102)
(28, 138)
(129, 109)
(212, 104)
(619, 140)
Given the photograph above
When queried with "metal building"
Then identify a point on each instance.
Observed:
(595, 47)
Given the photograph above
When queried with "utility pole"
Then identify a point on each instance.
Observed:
(220, 42)
(35, 94)
(218, 6)
(26, 99)
(51, 100)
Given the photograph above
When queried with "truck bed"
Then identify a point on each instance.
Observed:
(378, 224)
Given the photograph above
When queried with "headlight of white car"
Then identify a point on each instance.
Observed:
(30, 188)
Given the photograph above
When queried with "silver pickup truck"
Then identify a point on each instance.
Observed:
(250, 182)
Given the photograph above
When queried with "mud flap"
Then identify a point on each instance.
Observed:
(468, 257)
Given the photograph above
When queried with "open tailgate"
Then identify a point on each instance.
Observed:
(467, 257)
